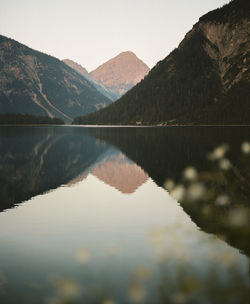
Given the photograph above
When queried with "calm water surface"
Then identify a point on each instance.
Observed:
(124, 215)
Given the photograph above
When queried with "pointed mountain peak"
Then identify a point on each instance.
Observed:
(76, 66)
(121, 73)
(127, 54)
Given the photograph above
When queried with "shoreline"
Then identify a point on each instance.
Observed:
(119, 126)
(123, 126)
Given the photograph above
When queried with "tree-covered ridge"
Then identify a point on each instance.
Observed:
(26, 119)
(231, 12)
(203, 81)
(38, 84)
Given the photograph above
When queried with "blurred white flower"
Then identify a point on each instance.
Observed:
(196, 191)
(222, 200)
(178, 298)
(67, 288)
(239, 217)
(83, 255)
(245, 147)
(225, 164)
(219, 152)
(190, 173)
(169, 184)
(178, 192)
(137, 293)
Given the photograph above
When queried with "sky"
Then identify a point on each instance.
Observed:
(92, 32)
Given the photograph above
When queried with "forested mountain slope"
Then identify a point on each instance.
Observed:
(35, 83)
(203, 81)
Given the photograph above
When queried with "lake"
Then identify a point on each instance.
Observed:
(124, 215)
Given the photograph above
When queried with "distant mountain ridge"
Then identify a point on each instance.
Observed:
(76, 66)
(34, 83)
(81, 70)
(205, 80)
(116, 76)
(121, 73)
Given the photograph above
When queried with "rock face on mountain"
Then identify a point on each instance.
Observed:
(120, 73)
(35, 83)
(81, 70)
(206, 80)
(77, 67)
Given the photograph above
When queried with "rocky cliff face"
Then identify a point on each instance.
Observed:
(228, 46)
(35, 83)
(206, 80)
(81, 70)
(121, 73)
(77, 67)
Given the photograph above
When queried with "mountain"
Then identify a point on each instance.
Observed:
(203, 81)
(77, 67)
(81, 70)
(120, 73)
(39, 84)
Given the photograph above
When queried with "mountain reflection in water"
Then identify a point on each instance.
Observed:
(86, 241)
(116, 170)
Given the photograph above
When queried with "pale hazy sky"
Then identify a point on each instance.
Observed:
(91, 32)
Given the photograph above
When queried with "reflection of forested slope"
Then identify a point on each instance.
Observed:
(164, 153)
(35, 160)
